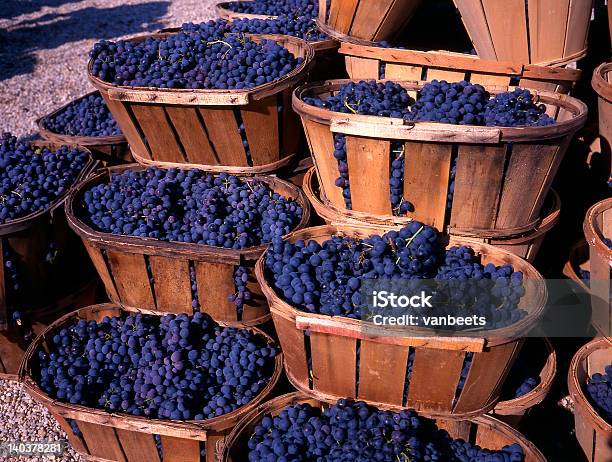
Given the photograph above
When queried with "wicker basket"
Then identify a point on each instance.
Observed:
(371, 62)
(542, 32)
(593, 432)
(484, 430)
(513, 411)
(321, 351)
(155, 275)
(601, 83)
(372, 20)
(525, 245)
(125, 438)
(597, 225)
(515, 165)
(111, 150)
(200, 128)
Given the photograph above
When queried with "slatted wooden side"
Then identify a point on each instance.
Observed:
(131, 279)
(138, 446)
(11, 353)
(159, 132)
(131, 130)
(380, 372)
(577, 26)
(190, 128)
(291, 133)
(296, 362)
(334, 364)
(77, 442)
(257, 307)
(395, 71)
(215, 283)
(475, 20)
(362, 68)
(103, 269)
(369, 18)
(180, 449)
(487, 437)
(445, 74)
(224, 135)
(547, 29)
(102, 441)
(261, 123)
(172, 284)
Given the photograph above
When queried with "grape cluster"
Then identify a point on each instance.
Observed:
(32, 178)
(243, 294)
(343, 179)
(172, 367)
(13, 291)
(200, 56)
(276, 8)
(516, 109)
(301, 26)
(348, 431)
(190, 206)
(326, 277)
(88, 116)
(599, 388)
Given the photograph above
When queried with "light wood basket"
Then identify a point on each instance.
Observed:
(121, 262)
(321, 351)
(602, 84)
(120, 437)
(484, 431)
(545, 32)
(200, 128)
(592, 432)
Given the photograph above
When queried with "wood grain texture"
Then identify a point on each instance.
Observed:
(363, 68)
(577, 31)
(262, 131)
(193, 136)
(180, 449)
(402, 72)
(475, 21)
(369, 18)
(380, 372)
(292, 343)
(334, 364)
(445, 74)
(507, 23)
(215, 283)
(102, 441)
(131, 279)
(224, 135)
(121, 113)
(160, 136)
(138, 446)
(172, 284)
(547, 29)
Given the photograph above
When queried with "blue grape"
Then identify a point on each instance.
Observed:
(87, 117)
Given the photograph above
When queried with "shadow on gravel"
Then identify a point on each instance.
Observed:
(18, 45)
(14, 8)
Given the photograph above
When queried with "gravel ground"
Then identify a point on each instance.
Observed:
(44, 46)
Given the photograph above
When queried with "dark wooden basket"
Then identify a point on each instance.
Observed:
(321, 359)
(368, 62)
(484, 431)
(121, 262)
(601, 82)
(597, 225)
(525, 245)
(109, 149)
(592, 432)
(200, 128)
(373, 20)
(125, 438)
(513, 411)
(28, 239)
(13, 345)
(528, 31)
(578, 259)
(515, 166)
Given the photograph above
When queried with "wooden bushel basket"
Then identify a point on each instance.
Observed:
(109, 149)
(120, 437)
(597, 226)
(372, 20)
(368, 62)
(200, 128)
(525, 245)
(224, 11)
(513, 411)
(515, 166)
(155, 275)
(321, 357)
(28, 238)
(578, 260)
(592, 432)
(601, 83)
(484, 431)
(545, 32)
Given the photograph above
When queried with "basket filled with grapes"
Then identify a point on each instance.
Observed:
(131, 386)
(590, 385)
(373, 61)
(597, 229)
(87, 122)
(39, 256)
(366, 20)
(525, 245)
(412, 150)
(529, 381)
(205, 96)
(319, 283)
(300, 428)
(181, 241)
(528, 31)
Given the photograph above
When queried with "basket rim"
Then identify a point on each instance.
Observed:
(19, 224)
(212, 96)
(600, 83)
(224, 11)
(152, 246)
(197, 428)
(436, 131)
(576, 388)
(280, 402)
(332, 214)
(49, 135)
(539, 393)
(592, 233)
(472, 343)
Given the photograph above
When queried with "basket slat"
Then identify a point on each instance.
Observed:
(508, 26)
(191, 132)
(382, 379)
(214, 281)
(493, 79)
(331, 354)
(261, 123)
(368, 163)
(473, 15)
(296, 362)
(10, 353)
(291, 132)
(138, 446)
(180, 449)
(363, 68)
(75, 441)
(547, 28)
(445, 74)
(172, 284)
(124, 118)
(102, 269)
(577, 27)
(395, 71)
(102, 441)
(224, 135)
(159, 134)
(342, 14)
(131, 279)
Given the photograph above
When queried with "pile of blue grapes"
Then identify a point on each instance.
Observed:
(88, 116)
(172, 367)
(599, 389)
(31, 178)
(347, 431)
(277, 7)
(299, 26)
(326, 277)
(190, 206)
(200, 56)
